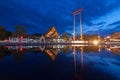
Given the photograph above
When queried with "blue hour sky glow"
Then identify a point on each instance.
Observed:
(37, 16)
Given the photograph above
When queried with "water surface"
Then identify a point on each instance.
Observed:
(60, 62)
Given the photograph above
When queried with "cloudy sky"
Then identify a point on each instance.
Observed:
(37, 16)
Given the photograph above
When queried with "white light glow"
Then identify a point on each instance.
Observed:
(95, 42)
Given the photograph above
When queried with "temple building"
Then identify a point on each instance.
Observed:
(53, 36)
(52, 33)
(115, 37)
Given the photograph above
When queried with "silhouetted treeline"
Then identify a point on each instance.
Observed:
(21, 31)
(4, 34)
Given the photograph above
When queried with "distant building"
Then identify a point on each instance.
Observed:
(16, 39)
(115, 35)
(31, 39)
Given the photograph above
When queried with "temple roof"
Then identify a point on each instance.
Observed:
(52, 32)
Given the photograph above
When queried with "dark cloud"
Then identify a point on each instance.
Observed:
(97, 24)
(115, 23)
(116, 29)
(94, 9)
(105, 32)
(101, 23)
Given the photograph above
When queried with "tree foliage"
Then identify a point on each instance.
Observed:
(4, 33)
(65, 36)
(19, 30)
(90, 37)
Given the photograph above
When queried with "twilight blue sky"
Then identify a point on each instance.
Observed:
(98, 16)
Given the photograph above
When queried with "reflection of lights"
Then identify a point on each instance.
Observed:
(99, 48)
(78, 45)
(95, 42)
(79, 41)
(21, 48)
(73, 52)
(108, 49)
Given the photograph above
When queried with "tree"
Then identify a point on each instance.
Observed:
(2, 33)
(94, 37)
(19, 30)
(65, 36)
(8, 34)
(86, 37)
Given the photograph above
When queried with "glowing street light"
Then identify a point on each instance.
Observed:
(95, 42)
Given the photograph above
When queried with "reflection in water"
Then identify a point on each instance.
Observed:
(42, 48)
(113, 48)
(82, 58)
(52, 51)
(77, 76)
(74, 52)
(17, 51)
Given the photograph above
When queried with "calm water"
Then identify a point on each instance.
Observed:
(81, 62)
